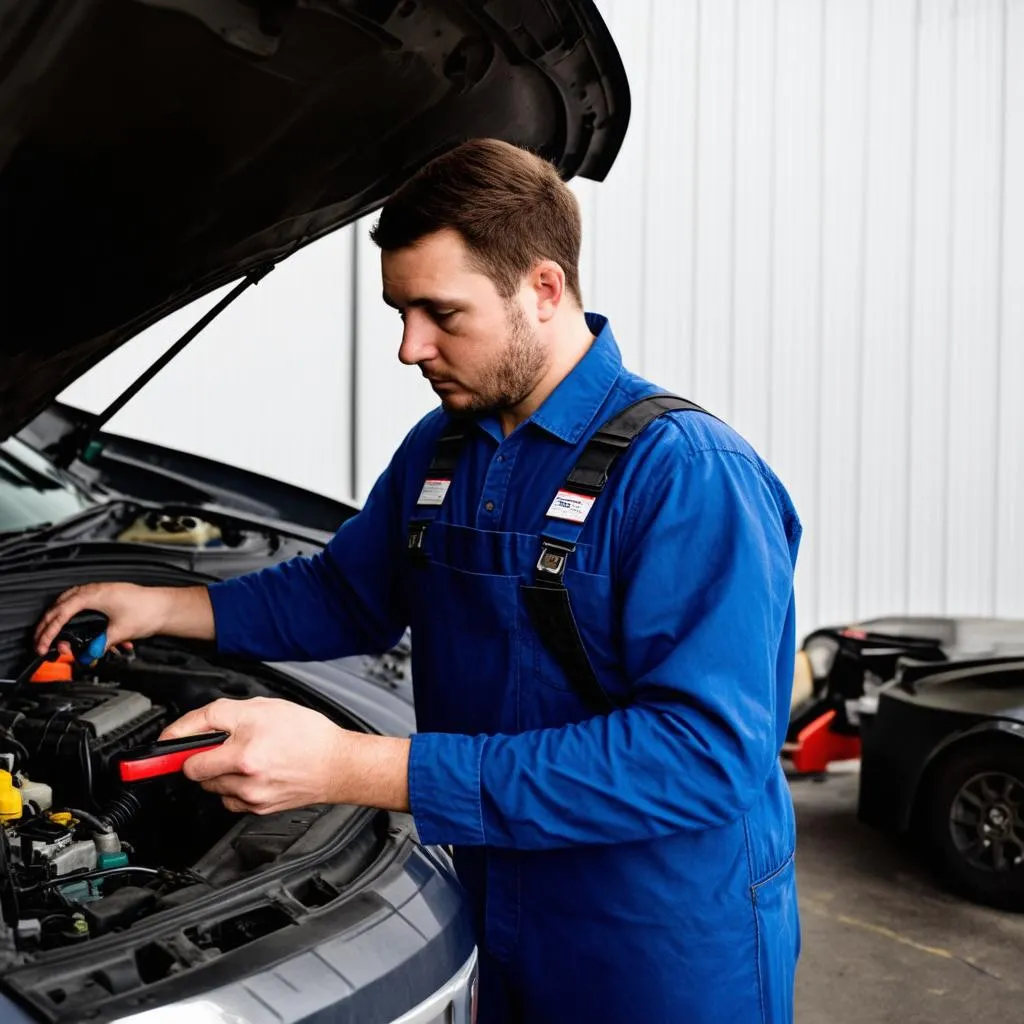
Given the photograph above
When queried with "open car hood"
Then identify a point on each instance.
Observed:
(152, 150)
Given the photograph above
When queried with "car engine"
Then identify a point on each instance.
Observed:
(82, 853)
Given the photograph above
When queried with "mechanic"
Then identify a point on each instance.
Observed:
(626, 840)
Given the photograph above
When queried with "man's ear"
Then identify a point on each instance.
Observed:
(547, 282)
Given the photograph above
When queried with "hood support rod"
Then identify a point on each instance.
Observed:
(74, 444)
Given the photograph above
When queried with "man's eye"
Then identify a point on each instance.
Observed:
(443, 314)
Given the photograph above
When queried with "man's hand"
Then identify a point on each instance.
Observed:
(134, 612)
(281, 755)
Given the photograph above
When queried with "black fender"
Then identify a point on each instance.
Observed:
(991, 727)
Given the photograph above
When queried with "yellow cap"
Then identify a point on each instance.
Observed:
(62, 818)
(10, 798)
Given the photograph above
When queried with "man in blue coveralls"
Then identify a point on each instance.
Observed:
(630, 860)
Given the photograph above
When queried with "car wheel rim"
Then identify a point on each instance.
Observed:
(986, 821)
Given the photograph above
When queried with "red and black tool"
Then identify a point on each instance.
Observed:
(166, 756)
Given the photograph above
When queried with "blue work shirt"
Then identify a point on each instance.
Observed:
(630, 865)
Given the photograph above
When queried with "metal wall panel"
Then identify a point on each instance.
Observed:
(832, 408)
(931, 324)
(1009, 546)
(974, 305)
(884, 358)
(792, 442)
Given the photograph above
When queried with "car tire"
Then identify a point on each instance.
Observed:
(973, 821)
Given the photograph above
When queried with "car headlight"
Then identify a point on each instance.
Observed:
(202, 1011)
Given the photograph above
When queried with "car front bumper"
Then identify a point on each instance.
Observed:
(453, 1003)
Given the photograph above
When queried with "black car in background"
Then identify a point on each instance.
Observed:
(150, 152)
(934, 709)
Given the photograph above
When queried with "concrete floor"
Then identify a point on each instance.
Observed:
(881, 942)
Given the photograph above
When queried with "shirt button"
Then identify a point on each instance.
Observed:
(489, 506)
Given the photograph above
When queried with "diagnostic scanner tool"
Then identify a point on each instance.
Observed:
(166, 756)
(86, 635)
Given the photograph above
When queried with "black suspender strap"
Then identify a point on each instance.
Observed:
(547, 601)
(447, 451)
(590, 474)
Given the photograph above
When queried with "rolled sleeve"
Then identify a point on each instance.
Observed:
(444, 788)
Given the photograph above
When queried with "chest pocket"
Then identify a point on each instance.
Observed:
(595, 621)
(572, 612)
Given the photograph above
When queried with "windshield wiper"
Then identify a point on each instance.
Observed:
(13, 539)
(75, 444)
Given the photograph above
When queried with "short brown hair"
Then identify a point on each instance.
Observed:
(510, 207)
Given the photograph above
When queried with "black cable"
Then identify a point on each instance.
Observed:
(87, 755)
(46, 728)
(120, 809)
(7, 886)
(88, 876)
(6, 736)
(90, 819)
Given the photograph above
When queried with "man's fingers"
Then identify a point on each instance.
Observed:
(194, 722)
(53, 624)
(60, 612)
(238, 806)
(238, 793)
(220, 763)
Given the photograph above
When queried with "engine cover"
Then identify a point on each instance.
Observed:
(73, 732)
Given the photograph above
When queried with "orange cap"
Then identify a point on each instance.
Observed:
(58, 671)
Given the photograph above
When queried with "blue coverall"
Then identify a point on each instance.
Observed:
(635, 865)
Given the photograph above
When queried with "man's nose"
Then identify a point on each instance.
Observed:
(417, 340)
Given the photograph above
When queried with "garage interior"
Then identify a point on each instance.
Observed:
(815, 228)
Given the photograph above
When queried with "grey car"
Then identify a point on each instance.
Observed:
(151, 151)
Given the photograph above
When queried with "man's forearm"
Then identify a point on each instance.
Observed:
(187, 613)
(372, 771)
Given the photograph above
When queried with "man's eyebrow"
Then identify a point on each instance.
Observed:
(438, 302)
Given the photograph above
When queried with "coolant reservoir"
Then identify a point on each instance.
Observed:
(10, 798)
(171, 530)
(38, 793)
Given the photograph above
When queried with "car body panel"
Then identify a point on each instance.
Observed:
(159, 474)
(372, 957)
(153, 150)
(851, 663)
(914, 725)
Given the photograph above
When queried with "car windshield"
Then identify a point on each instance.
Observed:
(33, 491)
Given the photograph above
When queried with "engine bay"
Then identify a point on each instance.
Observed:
(83, 854)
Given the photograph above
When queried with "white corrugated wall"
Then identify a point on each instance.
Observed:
(816, 229)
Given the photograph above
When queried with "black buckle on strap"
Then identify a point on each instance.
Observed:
(554, 554)
(609, 440)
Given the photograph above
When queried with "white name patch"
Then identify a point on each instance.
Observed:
(433, 492)
(571, 506)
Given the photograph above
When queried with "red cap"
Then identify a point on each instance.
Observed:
(58, 671)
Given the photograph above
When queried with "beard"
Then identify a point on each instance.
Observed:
(512, 376)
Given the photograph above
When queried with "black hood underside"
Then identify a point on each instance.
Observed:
(152, 150)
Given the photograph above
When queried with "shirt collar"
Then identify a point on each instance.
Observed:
(571, 407)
